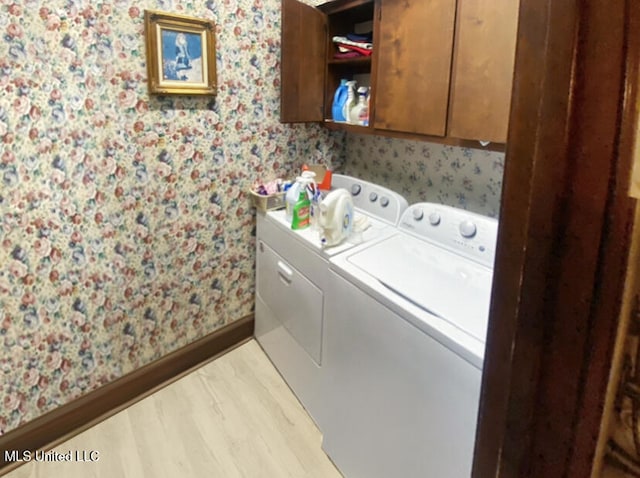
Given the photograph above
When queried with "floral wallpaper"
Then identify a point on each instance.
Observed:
(461, 177)
(125, 227)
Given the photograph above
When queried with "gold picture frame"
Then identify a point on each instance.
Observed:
(181, 55)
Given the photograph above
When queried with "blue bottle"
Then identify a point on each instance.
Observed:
(339, 100)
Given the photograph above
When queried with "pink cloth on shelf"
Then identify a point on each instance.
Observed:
(362, 51)
(348, 54)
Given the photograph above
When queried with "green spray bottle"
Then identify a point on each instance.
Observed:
(302, 208)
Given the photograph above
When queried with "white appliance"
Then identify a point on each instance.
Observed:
(292, 271)
(336, 217)
(406, 323)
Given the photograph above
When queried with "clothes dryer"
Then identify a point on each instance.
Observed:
(291, 279)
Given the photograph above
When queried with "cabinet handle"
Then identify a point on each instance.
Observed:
(285, 273)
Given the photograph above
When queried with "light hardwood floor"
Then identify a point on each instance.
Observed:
(233, 417)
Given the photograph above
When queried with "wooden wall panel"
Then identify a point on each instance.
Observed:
(559, 268)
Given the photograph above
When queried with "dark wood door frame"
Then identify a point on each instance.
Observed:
(563, 243)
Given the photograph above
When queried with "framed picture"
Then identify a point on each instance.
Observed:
(181, 56)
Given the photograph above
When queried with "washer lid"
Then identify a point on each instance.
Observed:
(441, 283)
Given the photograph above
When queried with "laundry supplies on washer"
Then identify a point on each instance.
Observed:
(306, 182)
(336, 217)
(314, 211)
(301, 211)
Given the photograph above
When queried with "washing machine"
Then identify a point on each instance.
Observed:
(292, 273)
(405, 331)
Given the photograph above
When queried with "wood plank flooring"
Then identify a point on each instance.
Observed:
(233, 417)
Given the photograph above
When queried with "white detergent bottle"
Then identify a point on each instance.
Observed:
(359, 114)
(314, 196)
(351, 99)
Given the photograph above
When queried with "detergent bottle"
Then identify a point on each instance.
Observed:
(359, 114)
(351, 100)
(314, 195)
(302, 183)
(291, 196)
(339, 100)
(314, 212)
(301, 217)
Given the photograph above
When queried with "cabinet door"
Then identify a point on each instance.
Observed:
(484, 56)
(302, 64)
(415, 42)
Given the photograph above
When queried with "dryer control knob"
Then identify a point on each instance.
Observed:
(467, 229)
(355, 189)
(384, 201)
(434, 218)
(373, 197)
(418, 214)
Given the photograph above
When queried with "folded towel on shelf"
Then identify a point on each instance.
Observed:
(346, 42)
(346, 48)
(360, 37)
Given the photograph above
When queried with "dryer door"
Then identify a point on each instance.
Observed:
(294, 300)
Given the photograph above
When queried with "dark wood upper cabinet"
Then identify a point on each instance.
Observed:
(302, 64)
(440, 70)
(310, 73)
(482, 74)
(414, 65)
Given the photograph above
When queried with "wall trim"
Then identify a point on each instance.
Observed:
(76, 416)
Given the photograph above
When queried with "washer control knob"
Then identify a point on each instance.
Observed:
(434, 218)
(418, 214)
(384, 201)
(355, 189)
(373, 197)
(467, 229)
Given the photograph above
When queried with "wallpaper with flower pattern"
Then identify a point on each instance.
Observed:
(125, 227)
(461, 177)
